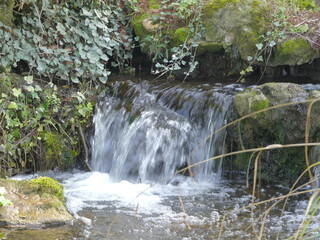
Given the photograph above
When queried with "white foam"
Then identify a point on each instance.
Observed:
(84, 189)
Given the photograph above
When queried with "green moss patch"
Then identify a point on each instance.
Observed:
(294, 51)
(214, 5)
(138, 26)
(209, 47)
(259, 105)
(180, 35)
(43, 185)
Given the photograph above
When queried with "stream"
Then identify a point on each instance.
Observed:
(145, 132)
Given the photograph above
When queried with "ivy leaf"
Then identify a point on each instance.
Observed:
(259, 46)
(103, 79)
(249, 69)
(29, 79)
(260, 59)
(75, 79)
(249, 58)
(86, 12)
(37, 88)
(82, 111)
(30, 89)
(13, 105)
(16, 92)
(272, 44)
(61, 28)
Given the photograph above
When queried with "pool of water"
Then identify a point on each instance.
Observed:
(183, 209)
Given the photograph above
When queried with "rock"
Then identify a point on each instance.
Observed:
(36, 202)
(283, 125)
(149, 26)
(290, 118)
(236, 28)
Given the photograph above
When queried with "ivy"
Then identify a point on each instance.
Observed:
(72, 41)
(38, 125)
(3, 200)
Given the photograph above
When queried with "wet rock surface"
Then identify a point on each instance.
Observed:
(37, 202)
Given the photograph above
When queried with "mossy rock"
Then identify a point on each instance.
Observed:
(180, 36)
(46, 185)
(208, 47)
(35, 202)
(137, 25)
(214, 5)
(282, 125)
(294, 52)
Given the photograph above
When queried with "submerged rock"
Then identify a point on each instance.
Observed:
(36, 202)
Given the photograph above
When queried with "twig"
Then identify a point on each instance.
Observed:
(84, 143)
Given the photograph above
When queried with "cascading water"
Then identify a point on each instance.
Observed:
(146, 132)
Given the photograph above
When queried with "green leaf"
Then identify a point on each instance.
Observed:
(272, 44)
(16, 92)
(30, 89)
(82, 111)
(28, 79)
(13, 105)
(61, 28)
(249, 69)
(243, 72)
(103, 79)
(260, 59)
(86, 12)
(259, 46)
(37, 88)
(75, 79)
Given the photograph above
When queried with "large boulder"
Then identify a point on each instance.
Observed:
(282, 125)
(35, 202)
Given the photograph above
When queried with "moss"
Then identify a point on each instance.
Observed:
(215, 5)
(179, 36)
(249, 34)
(294, 51)
(154, 4)
(6, 14)
(138, 27)
(261, 105)
(46, 185)
(306, 4)
(210, 47)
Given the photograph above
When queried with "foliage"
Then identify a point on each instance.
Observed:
(72, 40)
(3, 200)
(292, 21)
(171, 48)
(34, 126)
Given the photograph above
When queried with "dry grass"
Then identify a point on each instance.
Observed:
(310, 211)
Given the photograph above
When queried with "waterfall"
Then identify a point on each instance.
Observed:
(144, 131)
